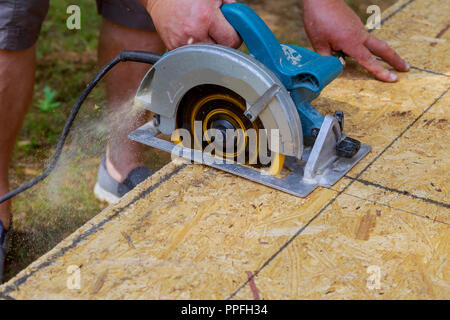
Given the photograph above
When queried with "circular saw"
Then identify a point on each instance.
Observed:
(249, 114)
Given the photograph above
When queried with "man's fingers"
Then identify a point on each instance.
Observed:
(368, 61)
(382, 50)
(223, 33)
(323, 49)
(207, 40)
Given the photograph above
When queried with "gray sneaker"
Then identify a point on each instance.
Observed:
(109, 190)
(3, 238)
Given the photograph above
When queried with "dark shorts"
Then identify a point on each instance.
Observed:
(21, 20)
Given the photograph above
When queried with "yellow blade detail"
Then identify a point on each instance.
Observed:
(277, 164)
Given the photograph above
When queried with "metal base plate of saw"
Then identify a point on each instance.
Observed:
(271, 89)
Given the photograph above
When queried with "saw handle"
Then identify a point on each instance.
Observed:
(257, 36)
(296, 67)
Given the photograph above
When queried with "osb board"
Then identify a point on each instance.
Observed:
(376, 113)
(184, 239)
(193, 232)
(421, 207)
(351, 239)
(420, 32)
(420, 160)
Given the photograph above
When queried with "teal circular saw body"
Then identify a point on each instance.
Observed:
(276, 84)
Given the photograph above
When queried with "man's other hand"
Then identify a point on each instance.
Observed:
(181, 22)
(332, 26)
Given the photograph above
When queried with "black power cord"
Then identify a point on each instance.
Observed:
(124, 56)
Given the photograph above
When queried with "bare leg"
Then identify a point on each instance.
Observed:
(123, 155)
(16, 90)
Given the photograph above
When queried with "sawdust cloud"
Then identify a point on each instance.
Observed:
(85, 146)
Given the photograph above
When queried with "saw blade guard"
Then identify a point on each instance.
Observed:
(187, 68)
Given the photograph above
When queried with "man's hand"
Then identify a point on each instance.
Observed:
(181, 22)
(332, 26)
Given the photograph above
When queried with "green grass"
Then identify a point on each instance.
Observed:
(67, 61)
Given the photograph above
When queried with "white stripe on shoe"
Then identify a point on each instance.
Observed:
(104, 195)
